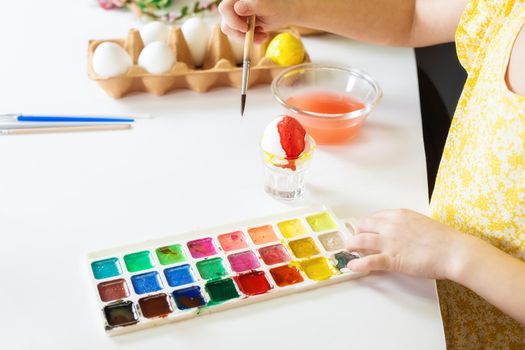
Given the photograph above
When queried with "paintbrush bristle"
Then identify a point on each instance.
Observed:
(243, 103)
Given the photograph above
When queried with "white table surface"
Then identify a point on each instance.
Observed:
(195, 165)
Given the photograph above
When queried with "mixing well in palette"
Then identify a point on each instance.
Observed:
(185, 276)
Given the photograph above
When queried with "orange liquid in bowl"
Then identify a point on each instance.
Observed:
(328, 130)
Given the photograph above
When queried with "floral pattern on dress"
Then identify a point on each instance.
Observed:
(480, 187)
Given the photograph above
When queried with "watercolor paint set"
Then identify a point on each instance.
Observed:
(183, 276)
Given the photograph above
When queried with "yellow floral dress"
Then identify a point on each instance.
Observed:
(480, 187)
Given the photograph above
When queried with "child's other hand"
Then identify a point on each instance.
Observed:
(407, 242)
(271, 14)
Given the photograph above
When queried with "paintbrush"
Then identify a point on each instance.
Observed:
(47, 130)
(248, 43)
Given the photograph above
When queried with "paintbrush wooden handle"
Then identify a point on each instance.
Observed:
(248, 42)
(46, 130)
(248, 39)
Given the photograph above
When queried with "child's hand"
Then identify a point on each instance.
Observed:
(406, 242)
(271, 14)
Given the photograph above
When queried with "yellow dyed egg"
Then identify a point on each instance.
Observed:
(286, 50)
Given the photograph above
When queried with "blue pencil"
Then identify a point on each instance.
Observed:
(63, 119)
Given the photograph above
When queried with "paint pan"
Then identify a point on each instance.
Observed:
(232, 241)
(189, 298)
(113, 290)
(157, 305)
(184, 276)
(274, 254)
(179, 275)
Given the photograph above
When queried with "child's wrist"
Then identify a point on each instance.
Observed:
(463, 254)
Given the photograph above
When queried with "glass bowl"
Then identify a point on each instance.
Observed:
(331, 102)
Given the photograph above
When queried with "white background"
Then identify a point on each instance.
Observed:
(196, 164)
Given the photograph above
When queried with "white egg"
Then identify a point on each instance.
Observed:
(197, 34)
(271, 139)
(237, 46)
(110, 59)
(157, 58)
(154, 31)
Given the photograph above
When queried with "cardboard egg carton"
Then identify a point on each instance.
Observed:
(218, 69)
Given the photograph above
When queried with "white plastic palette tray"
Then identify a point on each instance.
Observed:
(183, 276)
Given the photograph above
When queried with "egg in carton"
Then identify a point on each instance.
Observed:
(218, 69)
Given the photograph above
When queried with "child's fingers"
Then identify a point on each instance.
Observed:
(231, 18)
(260, 37)
(257, 38)
(230, 32)
(371, 224)
(246, 8)
(260, 24)
(376, 262)
(365, 242)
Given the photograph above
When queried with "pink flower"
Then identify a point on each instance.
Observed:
(110, 4)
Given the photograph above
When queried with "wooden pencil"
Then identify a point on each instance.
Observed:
(80, 128)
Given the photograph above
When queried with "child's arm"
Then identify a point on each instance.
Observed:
(392, 22)
(497, 277)
(411, 243)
